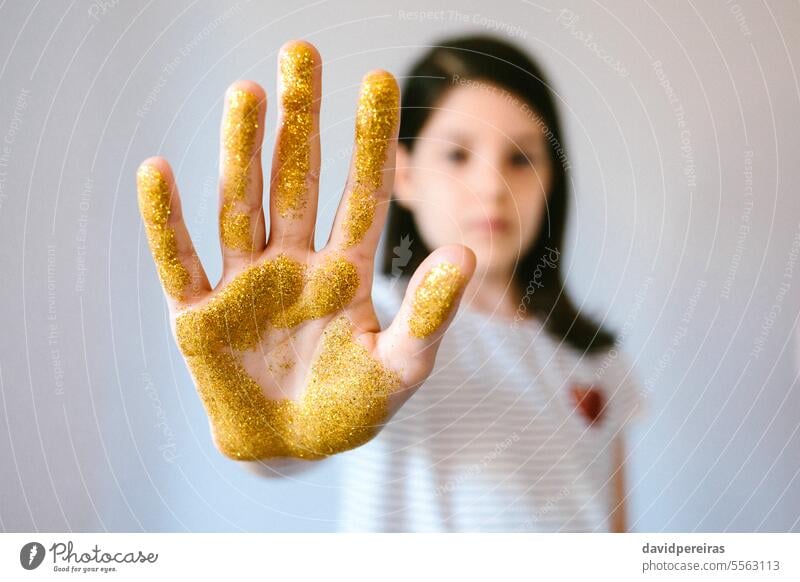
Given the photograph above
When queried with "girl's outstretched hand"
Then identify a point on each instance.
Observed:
(286, 350)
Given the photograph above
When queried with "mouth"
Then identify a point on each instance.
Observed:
(494, 226)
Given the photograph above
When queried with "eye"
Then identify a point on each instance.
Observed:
(521, 159)
(457, 155)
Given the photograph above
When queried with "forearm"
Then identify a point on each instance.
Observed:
(619, 518)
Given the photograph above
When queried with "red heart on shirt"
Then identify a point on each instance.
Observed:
(589, 400)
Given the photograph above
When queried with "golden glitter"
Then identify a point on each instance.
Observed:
(285, 366)
(330, 287)
(276, 292)
(238, 140)
(154, 198)
(376, 120)
(434, 299)
(346, 393)
(234, 228)
(345, 402)
(237, 316)
(294, 151)
(246, 425)
(346, 397)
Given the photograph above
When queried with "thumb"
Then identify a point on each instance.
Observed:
(410, 343)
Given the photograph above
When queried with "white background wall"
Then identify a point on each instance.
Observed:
(100, 428)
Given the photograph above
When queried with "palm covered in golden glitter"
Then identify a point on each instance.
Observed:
(286, 351)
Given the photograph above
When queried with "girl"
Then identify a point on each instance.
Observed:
(519, 425)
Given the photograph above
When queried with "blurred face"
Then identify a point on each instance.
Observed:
(478, 175)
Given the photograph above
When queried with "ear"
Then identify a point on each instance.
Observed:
(403, 191)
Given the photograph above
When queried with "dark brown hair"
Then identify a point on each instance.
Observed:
(482, 58)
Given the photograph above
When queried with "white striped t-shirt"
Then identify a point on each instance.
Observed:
(494, 440)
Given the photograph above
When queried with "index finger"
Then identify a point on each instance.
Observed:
(362, 212)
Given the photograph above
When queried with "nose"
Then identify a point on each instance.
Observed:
(488, 181)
